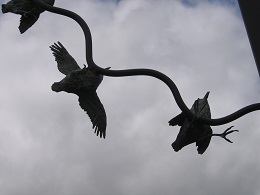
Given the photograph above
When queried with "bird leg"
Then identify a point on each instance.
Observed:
(223, 135)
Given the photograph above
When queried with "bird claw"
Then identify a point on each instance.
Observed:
(226, 132)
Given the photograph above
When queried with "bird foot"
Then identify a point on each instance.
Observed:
(223, 135)
(226, 132)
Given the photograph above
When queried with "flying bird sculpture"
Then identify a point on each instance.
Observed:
(192, 131)
(82, 82)
(29, 13)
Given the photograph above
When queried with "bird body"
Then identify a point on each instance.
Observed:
(82, 82)
(190, 130)
(29, 13)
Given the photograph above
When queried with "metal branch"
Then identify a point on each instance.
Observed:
(144, 72)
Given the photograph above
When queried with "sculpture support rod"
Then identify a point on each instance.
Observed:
(145, 72)
(250, 13)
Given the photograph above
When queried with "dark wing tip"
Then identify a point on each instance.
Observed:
(27, 22)
(178, 120)
(57, 47)
(204, 141)
(91, 104)
(99, 124)
(100, 133)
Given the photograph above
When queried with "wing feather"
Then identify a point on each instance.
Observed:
(203, 144)
(66, 63)
(178, 120)
(27, 22)
(90, 103)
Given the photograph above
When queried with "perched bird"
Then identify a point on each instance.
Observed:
(190, 130)
(82, 82)
(29, 13)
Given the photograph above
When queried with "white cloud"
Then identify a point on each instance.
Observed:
(47, 145)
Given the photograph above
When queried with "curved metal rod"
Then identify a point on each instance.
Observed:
(144, 72)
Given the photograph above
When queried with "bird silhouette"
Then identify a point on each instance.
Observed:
(29, 13)
(190, 130)
(82, 82)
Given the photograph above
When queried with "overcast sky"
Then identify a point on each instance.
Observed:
(47, 145)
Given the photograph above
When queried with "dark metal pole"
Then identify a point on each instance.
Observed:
(250, 10)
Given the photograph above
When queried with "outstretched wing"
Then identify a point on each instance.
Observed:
(90, 103)
(27, 22)
(203, 144)
(178, 120)
(66, 63)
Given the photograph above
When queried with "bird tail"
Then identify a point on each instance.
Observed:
(4, 8)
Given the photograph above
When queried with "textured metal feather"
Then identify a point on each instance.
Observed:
(26, 22)
(66, 63)
(191, 131)
(90, 103)
(29, 13)
(84, 83)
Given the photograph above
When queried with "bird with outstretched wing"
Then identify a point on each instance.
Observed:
(29, 13)
(192, 131)
(82, 82)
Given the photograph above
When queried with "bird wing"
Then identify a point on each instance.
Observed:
(202, 144)
(90, 103)
(27, 22)
(66, 63)
(178, 120)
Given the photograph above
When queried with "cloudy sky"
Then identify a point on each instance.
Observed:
(47, 145)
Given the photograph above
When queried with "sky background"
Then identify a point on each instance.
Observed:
(47, 145)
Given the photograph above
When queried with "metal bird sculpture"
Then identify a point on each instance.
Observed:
(29, 13)
(82, 82)
(192, 131)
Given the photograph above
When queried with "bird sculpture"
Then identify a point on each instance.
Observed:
(29, 13)
(192, 131)
(82, 82)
